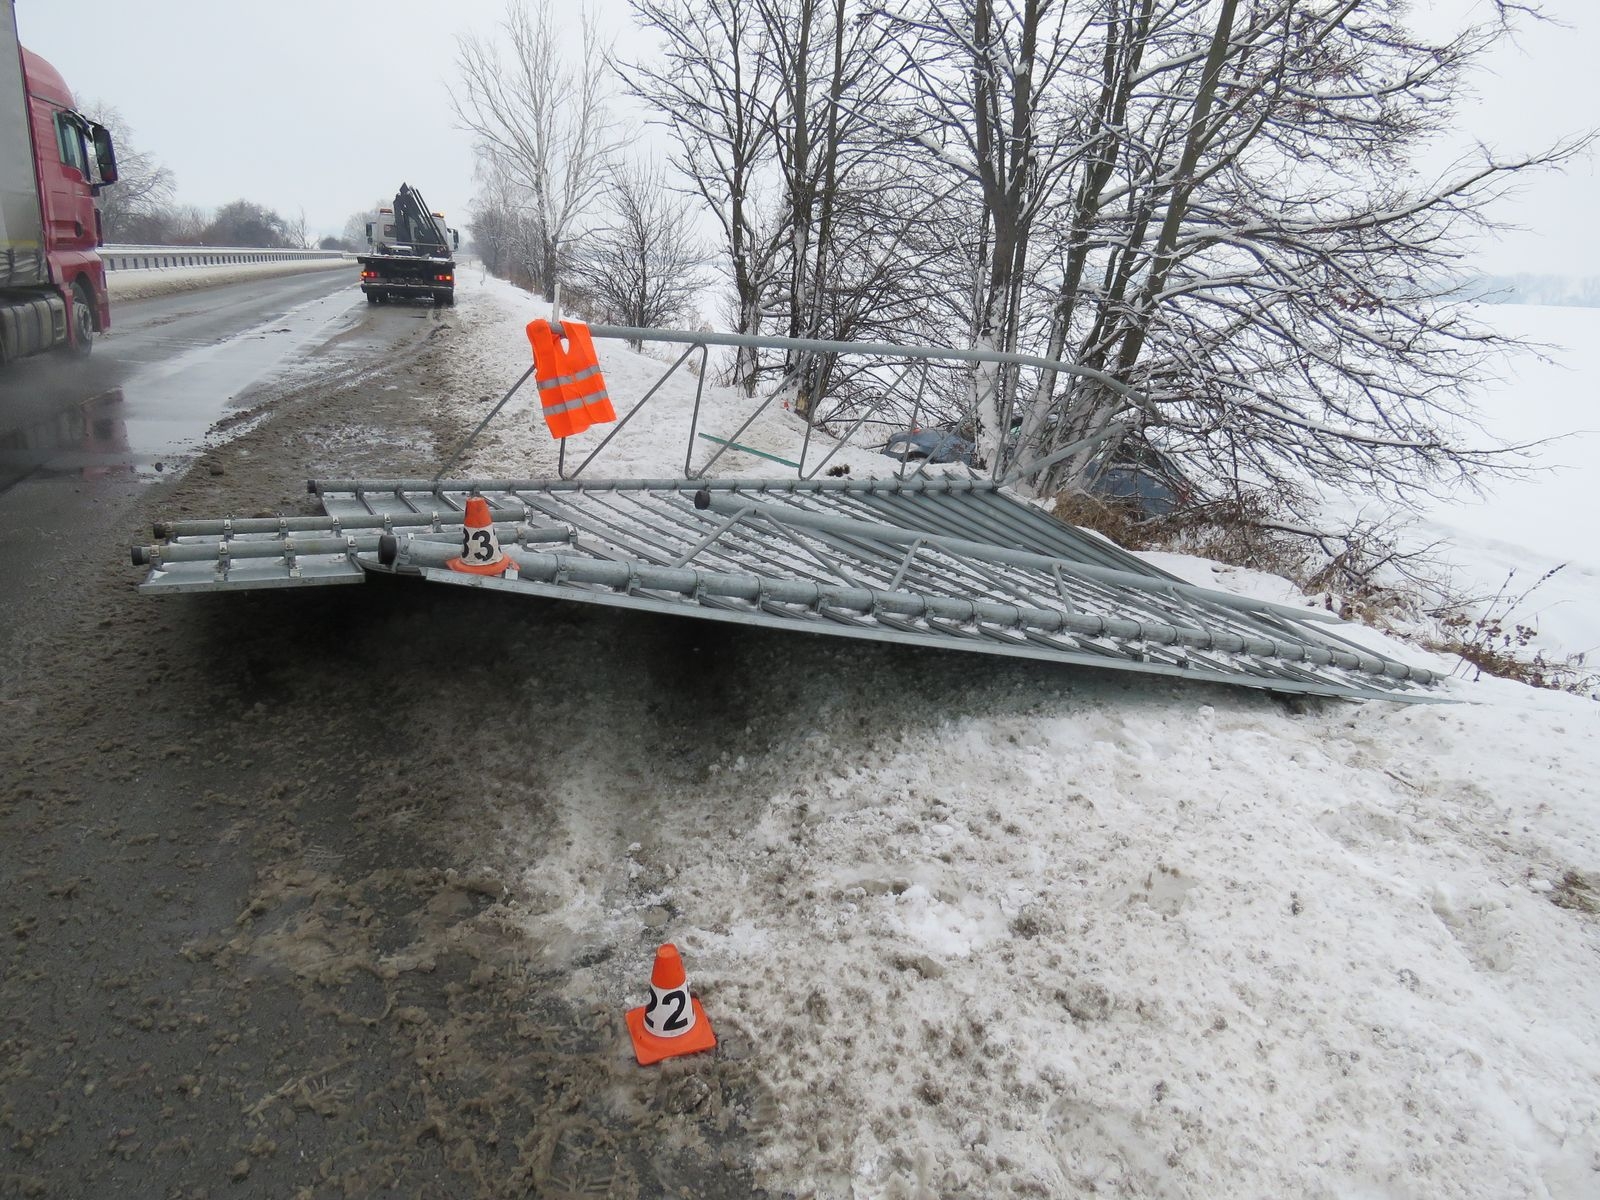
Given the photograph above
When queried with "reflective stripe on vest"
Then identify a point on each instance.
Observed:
(572, 390)
(588, 382)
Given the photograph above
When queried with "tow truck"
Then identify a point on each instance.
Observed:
(410, 252)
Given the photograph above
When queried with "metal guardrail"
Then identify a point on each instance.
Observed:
(157, 258)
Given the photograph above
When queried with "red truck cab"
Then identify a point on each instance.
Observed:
(64, 160)
(53, 161)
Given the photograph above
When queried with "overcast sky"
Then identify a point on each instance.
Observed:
(325, 105)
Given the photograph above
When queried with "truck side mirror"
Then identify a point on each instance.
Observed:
(105, 154)
(456, 235)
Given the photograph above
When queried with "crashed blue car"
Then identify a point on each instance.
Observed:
(1139, 476)
(1133, 484)
(934, 445)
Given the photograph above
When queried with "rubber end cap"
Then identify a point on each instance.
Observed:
(311, 487)
(702, 499)
(141, 555)
(161, 529)
(388, 549)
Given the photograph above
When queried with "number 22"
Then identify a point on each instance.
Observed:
(677, 1000)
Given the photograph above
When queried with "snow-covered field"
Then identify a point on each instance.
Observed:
(1120, 936)
(1534, 525)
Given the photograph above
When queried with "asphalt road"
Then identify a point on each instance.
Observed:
(157, 380)
(80, 440)
(256, 936)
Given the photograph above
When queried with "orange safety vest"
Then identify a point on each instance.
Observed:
(571, 388)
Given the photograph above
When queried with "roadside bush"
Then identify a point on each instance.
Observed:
(1360, 573)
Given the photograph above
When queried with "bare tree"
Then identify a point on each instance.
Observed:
(134, 209)
(716, 87)
(645, 267)
(539, 114)
(981, 96)
(830, 70)
(763, 102)
(503, 230)
(1259, 259)
(354, 233)
(186, 224)
(1212, 203)
(296, 233)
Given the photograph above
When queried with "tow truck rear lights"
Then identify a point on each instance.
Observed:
(444, 278)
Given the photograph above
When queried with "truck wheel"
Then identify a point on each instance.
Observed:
(82, 323)
(372, 297)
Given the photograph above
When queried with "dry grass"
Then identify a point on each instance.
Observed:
(1360, 574)
(1495, 642)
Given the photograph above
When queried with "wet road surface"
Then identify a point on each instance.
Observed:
(80, 439)
(166, 370)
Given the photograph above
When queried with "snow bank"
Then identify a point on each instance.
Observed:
(1004, 931)
(143, 284)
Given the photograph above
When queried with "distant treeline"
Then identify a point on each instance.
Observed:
(241, 223)
(1561, 290)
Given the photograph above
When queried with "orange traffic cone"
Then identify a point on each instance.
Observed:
(480, 549)
(672, 1023)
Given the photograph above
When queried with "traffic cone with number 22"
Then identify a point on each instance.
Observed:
(672, 1023)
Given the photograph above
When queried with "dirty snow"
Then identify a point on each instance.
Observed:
(164, 281)
(1113, 936)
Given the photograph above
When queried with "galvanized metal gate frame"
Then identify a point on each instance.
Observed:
(938, 560)
(917, 359)
(932, 561)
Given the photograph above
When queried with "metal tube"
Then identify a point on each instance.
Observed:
(279, 547)
(931, 483)
(228, 526)
(273, 548)
(417, 553)
(847, 527)
(884, 348)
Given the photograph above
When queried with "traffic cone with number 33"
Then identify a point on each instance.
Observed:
(480, 548)
(672, 1023)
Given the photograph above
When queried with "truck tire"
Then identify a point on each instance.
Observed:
(444, 298)
(81, 339)
(372, 297)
